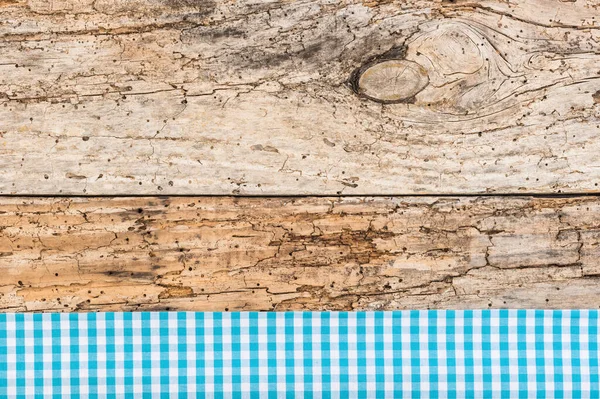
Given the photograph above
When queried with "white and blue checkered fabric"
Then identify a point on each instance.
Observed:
(404, 354)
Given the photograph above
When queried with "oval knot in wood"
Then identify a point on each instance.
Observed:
(392, 81)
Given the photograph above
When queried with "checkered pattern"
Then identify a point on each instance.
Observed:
(413, 354)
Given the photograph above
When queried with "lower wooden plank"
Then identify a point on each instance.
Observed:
(225, 253)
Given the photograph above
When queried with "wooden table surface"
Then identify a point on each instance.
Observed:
(299, 154)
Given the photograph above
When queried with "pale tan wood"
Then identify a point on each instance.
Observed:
(81, 254)
(256, 97)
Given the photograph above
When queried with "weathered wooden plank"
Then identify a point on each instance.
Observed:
(256, 97)
(205, 253)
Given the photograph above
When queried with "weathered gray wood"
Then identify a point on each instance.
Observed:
(258, 97)
(79, 254)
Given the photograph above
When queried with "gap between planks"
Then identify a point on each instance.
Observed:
(258, 196)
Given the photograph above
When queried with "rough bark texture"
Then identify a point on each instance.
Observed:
(193, 253)
(266, 97)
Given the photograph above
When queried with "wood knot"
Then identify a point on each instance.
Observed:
(390, 80)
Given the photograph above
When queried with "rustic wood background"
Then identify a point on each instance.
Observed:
(299, 154)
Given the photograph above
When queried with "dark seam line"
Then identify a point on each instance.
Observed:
(275, 196)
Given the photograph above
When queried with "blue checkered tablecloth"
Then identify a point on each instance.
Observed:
(404, 354)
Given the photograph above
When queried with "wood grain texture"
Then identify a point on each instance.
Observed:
(85, 254)
(259, 97)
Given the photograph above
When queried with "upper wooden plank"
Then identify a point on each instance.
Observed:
(273, 97)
